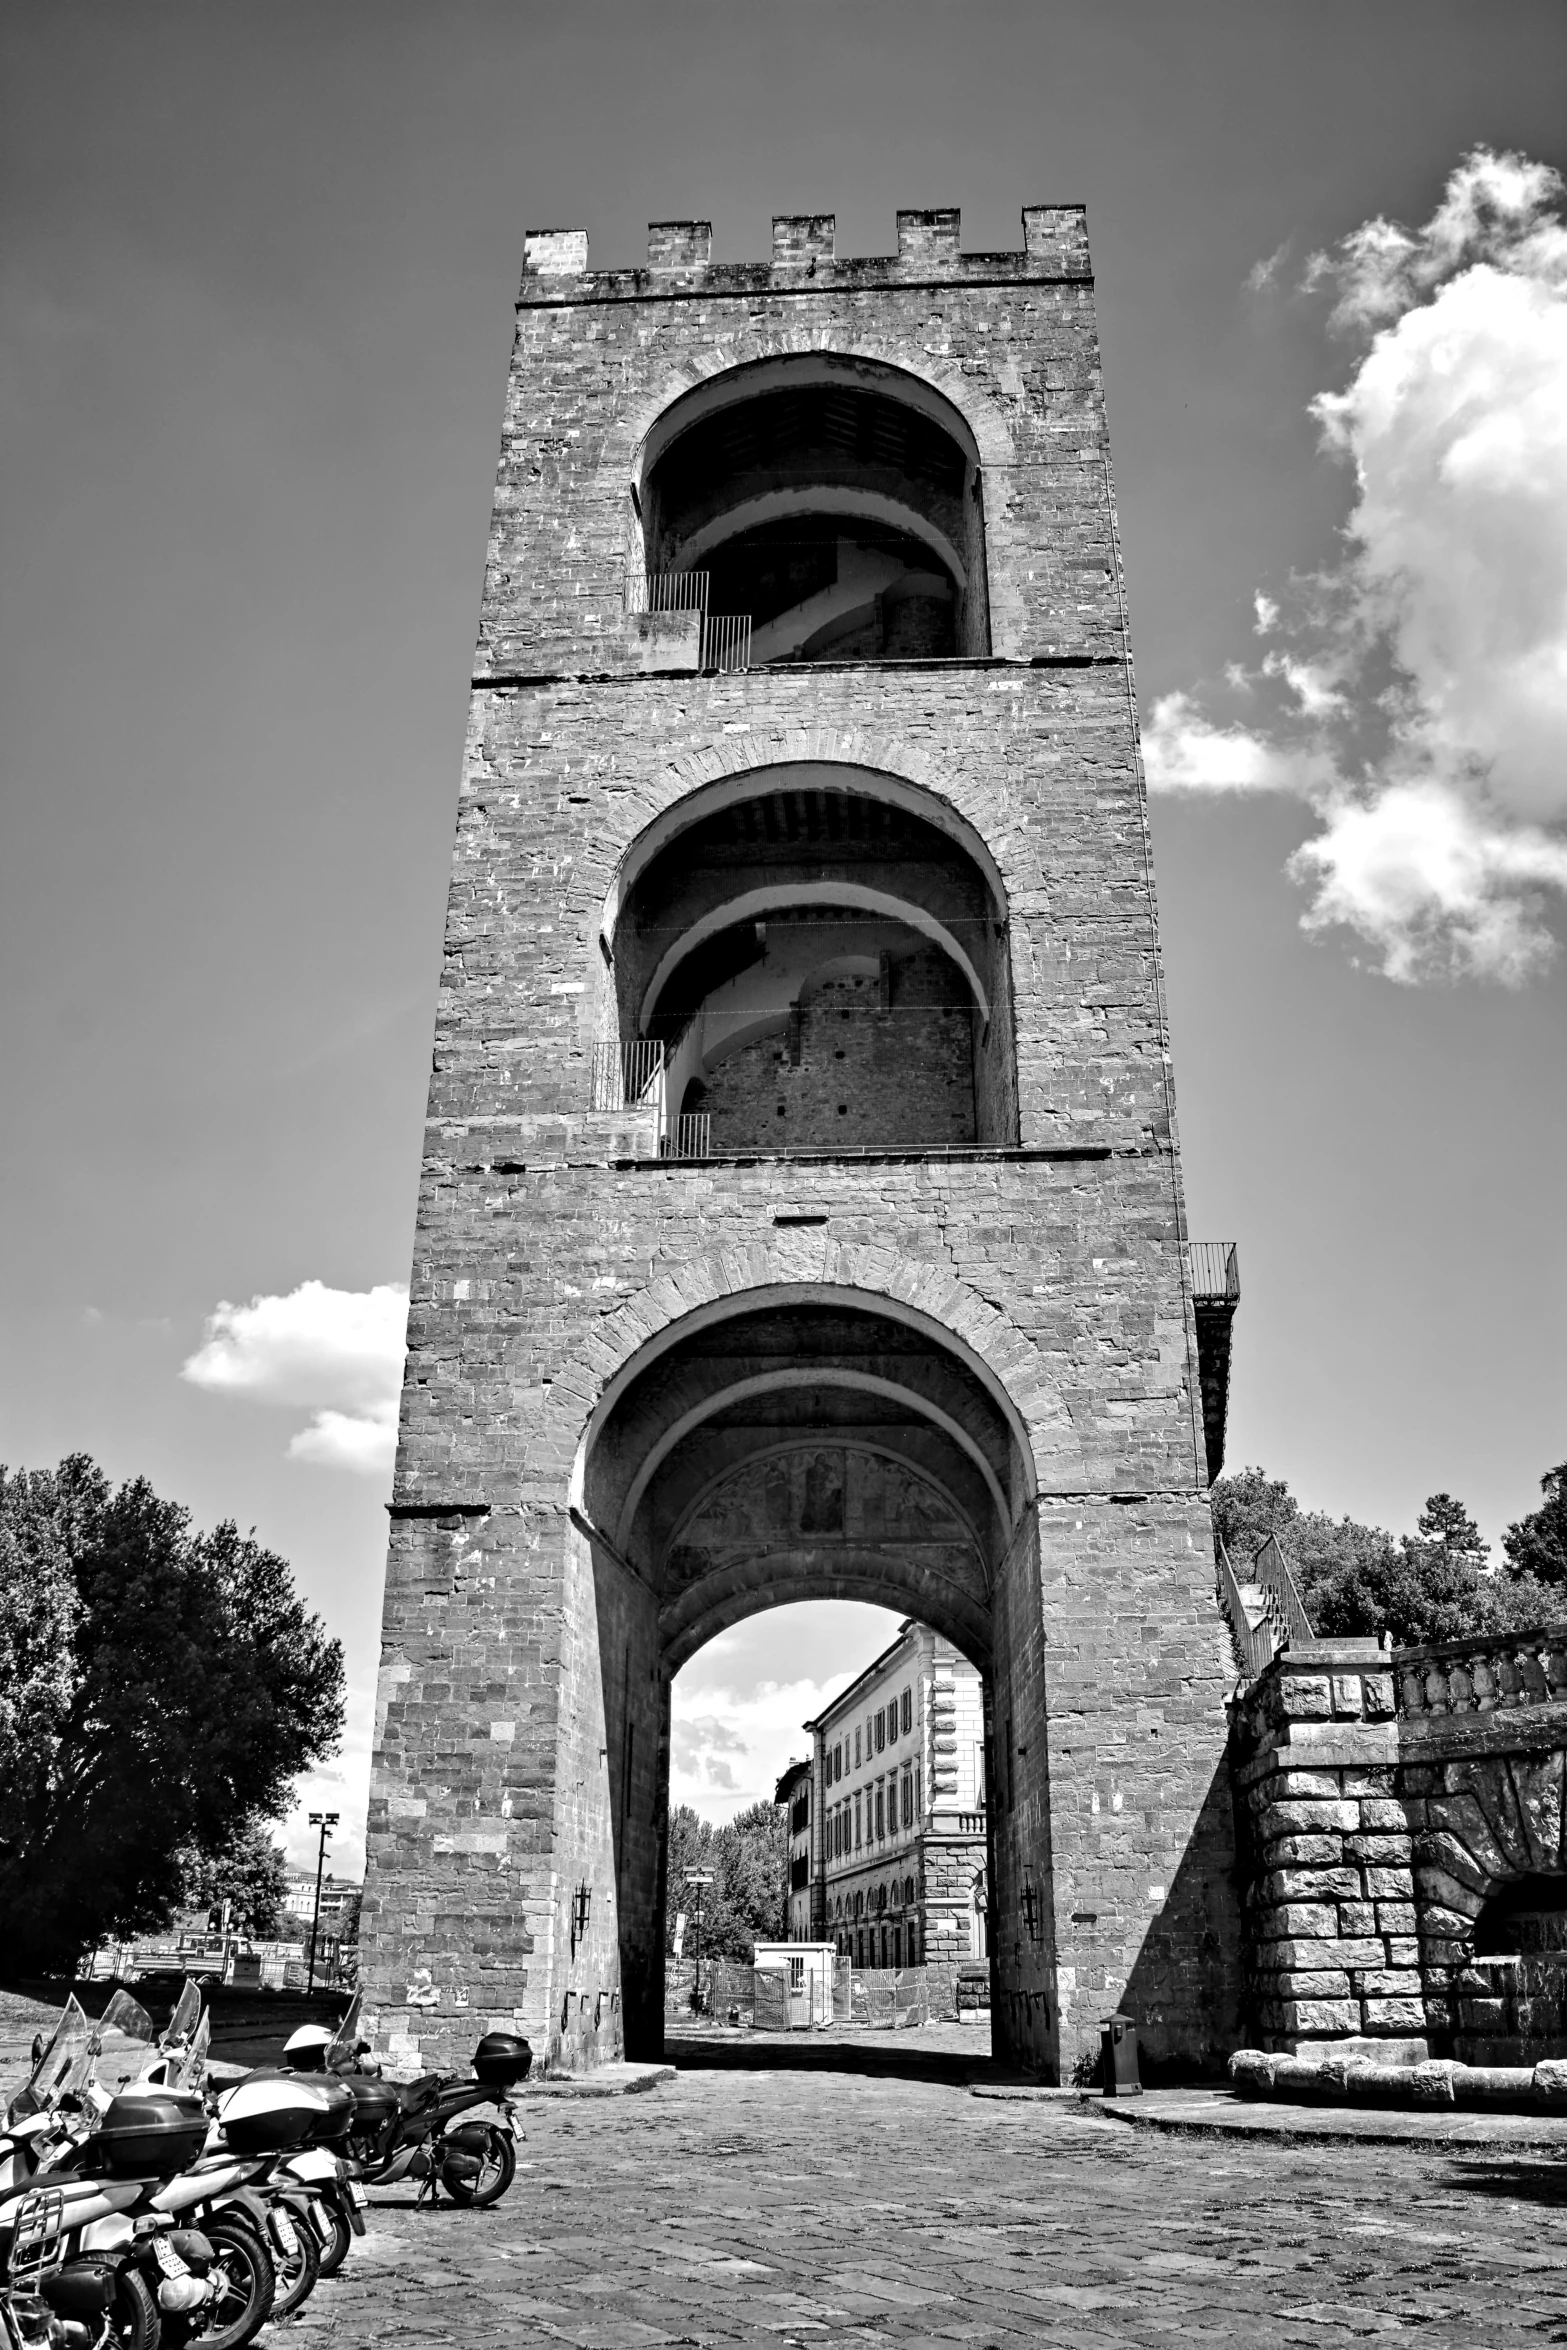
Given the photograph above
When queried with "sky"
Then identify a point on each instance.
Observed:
(255, 312)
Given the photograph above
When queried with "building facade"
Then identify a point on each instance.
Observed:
(794, 1793)
(898, 1767)
(800, 1213)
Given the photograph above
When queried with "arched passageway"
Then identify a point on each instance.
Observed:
(787, 1443)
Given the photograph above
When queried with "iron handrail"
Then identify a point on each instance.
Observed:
(667, 591)
(1215, 1266)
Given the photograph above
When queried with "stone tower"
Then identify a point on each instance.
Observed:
(801, 1213)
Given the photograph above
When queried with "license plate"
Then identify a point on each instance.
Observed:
(167, 2258)
(283, 2233)
(360, 2198)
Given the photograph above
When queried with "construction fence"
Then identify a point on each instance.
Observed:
(889, 1999)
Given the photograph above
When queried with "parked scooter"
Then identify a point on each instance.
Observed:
(114, 2166)
(407, 2132)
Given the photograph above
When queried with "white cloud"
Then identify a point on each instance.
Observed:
(1421, 700)
(336, 1353)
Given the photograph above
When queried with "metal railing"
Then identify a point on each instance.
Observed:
(1215, 1269)
(667, 591)
(726, 640)
(1253, 1643)
(688, 1138)
(627, 1076)
(1284, 1620)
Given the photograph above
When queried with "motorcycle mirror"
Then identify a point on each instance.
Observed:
(361, 2048)
(38, 2046)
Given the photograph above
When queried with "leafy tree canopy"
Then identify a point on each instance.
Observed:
(248, 1872)
(162, 1688)
(1434, 1584)
(749, 1860)
(1537, 1545)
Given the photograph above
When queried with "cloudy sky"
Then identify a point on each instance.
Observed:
(254, 321)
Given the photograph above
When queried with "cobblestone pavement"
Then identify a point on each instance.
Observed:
(797, 2206)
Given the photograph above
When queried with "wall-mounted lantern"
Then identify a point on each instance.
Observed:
(1031, 1904)
(581, 1904)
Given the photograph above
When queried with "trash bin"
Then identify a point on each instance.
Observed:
(1118, 2056)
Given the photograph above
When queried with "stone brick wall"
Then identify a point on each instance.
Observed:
(1387, 1796)
(1330, 1893)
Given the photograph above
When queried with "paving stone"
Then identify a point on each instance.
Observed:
(836, 2209)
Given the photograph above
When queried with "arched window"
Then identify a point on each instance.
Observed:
(831, 504)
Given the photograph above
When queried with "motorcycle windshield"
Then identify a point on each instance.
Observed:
(122, 2040)
(341, 2046)
(188, 2066)
(187, 2015)
(66, 2061)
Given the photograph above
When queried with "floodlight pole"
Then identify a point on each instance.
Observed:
(326, 1821)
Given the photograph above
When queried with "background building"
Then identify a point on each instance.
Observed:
(795, 1790)
(899, 1771)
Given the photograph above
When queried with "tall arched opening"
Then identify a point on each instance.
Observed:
(792, 1442)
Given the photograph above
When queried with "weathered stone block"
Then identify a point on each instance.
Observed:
(1394, 2015)
(1396, 1917)
(1315, 1818)
(1380, 1848)
(1306, 1697)
(1389, 1884)
(1304, 1851)
(1357, 1918)
(1321, 2015)
(1388, 1982)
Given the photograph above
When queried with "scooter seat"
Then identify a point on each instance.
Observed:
(415, 2096)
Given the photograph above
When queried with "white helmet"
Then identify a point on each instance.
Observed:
(306, 2049)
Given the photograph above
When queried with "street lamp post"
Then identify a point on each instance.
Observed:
(701, 1879)
(326, 1821)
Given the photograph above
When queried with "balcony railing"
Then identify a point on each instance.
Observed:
(628, 1076)
(667, 591)
(1215, 1270)
(688, 1138)
(726, 641)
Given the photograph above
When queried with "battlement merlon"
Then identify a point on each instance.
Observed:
(680, 259)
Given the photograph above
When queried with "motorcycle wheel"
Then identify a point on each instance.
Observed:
(497, 2169)
(134, 2318)
(334, 2253)
(297, 2272)
(246, 2284)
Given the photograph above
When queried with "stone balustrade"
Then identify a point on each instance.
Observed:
(1479, 1676)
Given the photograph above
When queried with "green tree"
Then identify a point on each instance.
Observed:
(1536, 1546)
(1434, 1584)
(747, 1858)
(195, 1687)
(248, 1872)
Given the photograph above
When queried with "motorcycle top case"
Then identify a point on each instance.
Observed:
(375, 2102)
(272, 2113)
(147, 2133)
(501, 2059)
(332, 2095)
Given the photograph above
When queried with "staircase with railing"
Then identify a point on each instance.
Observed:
(1265, 1611)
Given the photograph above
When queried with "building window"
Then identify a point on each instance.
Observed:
(856, 1823)
(856, 1749)
(881, 1729)
(880, 1828)
(892, 1723)
(908, 1801)
(908, 1712)
(916, 1791)
(837, 1761)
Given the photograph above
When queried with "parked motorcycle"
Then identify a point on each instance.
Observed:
(113, 2167)
(416, 2131)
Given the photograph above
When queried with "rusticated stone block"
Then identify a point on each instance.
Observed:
(1311, 1885)
(1389, 1884)
(1394, 2015)
(1310, 1983)
(1395, 1917)
(1321, 2015)
(1306, 1697)
(1335, 1952)
(1357, 1918)
(1381, 1814)
(1387, 1982)
(1303, 1852)
(1315, 1818)
(1383, 1849)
